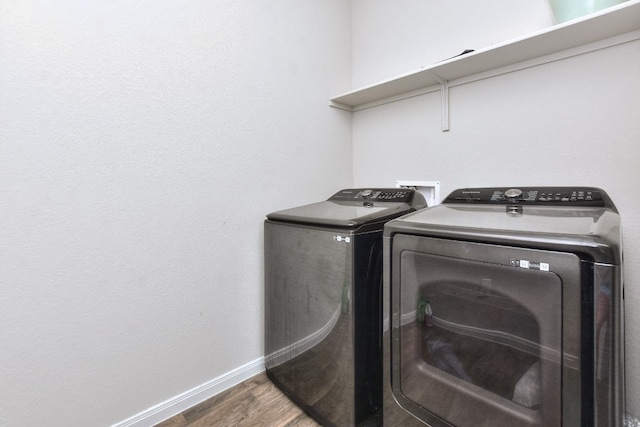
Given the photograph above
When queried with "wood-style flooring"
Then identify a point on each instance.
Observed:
(254, 402)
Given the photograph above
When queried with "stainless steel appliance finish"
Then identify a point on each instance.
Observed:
(323, 285)
(504, 306)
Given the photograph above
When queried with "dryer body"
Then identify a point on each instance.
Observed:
(505, 312)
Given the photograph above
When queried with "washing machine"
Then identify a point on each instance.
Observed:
(504, 307)
(323, 291)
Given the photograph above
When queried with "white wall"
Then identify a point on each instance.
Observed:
(394, 37)
(572, 122)
(141, 145)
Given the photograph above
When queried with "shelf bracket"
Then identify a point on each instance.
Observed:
(444, 95)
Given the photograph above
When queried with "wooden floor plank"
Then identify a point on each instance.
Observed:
(254, 402)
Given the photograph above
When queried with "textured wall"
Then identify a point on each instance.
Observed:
(141, 145)
(393, 38)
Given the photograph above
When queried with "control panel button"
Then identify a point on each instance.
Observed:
(513, 193)
(374, 195)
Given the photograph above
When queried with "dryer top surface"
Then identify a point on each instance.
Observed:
(578, 221)
(354, 207)
(573, 219)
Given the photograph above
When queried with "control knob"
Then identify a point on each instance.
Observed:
(512, 194)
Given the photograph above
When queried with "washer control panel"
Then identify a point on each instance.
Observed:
(401, 195)
(558, 196)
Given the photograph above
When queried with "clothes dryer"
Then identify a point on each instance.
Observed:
(323, 288)
(504, 307)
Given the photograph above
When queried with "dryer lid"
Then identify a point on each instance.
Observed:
(487, 215)
(354, 207)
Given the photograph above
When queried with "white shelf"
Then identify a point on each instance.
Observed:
(615, 21)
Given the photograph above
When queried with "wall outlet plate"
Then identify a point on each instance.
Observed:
(429, 189)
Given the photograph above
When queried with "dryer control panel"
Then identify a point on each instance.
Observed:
(556, 196)
(401, 195)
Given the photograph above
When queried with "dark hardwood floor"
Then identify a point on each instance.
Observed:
(255, 402)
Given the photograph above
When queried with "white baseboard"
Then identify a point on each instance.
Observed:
(189, 398)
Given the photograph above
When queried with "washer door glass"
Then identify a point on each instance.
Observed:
(478, 343)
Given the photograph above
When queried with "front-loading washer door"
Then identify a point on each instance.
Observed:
(477, 335)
